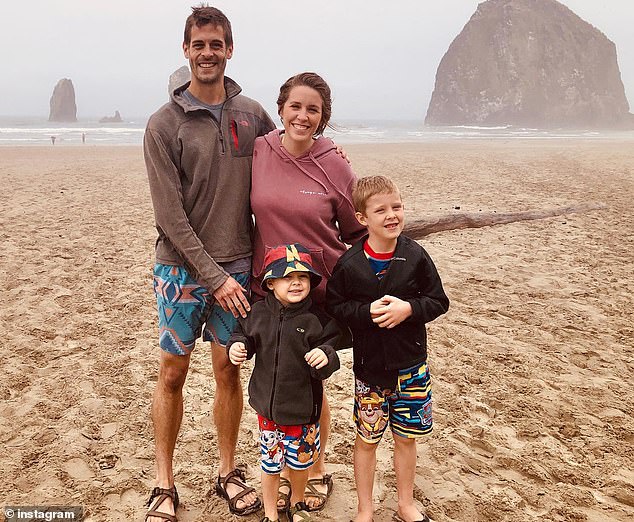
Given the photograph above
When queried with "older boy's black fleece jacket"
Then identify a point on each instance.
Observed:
(412, 276)
(283, 387)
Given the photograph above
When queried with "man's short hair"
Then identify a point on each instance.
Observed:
(370, 186)
(203, 15)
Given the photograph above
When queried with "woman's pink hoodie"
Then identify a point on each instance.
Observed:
(303, 200)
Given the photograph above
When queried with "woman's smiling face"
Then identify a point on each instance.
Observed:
(301, 114)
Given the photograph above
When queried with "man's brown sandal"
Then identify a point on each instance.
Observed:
(237, 478)
(160, 494)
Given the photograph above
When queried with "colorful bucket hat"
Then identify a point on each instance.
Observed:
(282, 260)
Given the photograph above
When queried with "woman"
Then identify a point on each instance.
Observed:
(301, 193)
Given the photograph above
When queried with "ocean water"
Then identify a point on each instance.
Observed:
(37, 131)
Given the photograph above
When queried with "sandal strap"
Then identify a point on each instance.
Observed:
(237, 478)
(321, 497)
(325, 480)
(161, 494)
(164, 516)
(235, 473)
(168, 492)
(300, 509)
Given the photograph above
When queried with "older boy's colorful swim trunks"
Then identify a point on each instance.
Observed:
(185, 307)
(406, 409)
(294, 446)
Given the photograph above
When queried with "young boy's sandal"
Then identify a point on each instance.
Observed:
(398, 518)
(284, 497)
(312, 491)
(300, 510)
(237, 478)
(161, 494)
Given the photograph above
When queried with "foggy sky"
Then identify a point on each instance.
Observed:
(380, 58)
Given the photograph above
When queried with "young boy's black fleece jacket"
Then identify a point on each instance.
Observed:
(412, 276)
(283, 387)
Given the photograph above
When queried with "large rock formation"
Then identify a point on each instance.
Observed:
(530, 63)
(177, 78)
(63, 107)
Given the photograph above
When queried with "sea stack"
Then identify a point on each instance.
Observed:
(63, 107)
(116, 118)
(529, 63)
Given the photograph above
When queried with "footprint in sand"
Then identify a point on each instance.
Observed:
(78, 469)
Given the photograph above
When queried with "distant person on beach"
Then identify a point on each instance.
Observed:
(386, 288)
(292, 358)
(83, 137)
(53, 138)
(198, 150)
(314, 208)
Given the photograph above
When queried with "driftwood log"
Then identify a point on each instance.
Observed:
(424, 227)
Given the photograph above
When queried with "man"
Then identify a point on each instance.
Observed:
(198, 151)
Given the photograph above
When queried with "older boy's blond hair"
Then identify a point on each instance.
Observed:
(370, 186)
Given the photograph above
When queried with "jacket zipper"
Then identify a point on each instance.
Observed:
(218, 124)
(222, 141)
(276, 361)
(221, 136)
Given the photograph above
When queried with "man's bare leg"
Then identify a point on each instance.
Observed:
(167, 414)
(228, 404)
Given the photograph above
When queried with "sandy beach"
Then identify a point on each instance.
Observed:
(532, 367)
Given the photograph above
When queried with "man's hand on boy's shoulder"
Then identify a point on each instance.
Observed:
(389, 311)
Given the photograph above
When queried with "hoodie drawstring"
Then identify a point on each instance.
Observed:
(319, 166)
(297, 164)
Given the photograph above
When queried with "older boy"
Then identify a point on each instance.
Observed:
(385, 288)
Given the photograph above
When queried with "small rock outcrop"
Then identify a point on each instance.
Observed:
(112, 119)
(62, 106)
(531, 63)
(179, 77)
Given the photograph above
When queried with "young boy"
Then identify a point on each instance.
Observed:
(385, 288)
(294, 346)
